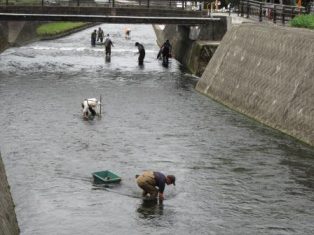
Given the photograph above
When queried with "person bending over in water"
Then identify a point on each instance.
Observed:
(153, 183)
(127, 33)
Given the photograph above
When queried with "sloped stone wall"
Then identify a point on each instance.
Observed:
(267, 73)
(4, 44)
(17, 33)
(8, 222)
(193, 54)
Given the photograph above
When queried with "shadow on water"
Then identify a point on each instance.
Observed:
(150, 209)
(141, 65)
(165, 64)
(186, 81)
(299, 159)
(123, 189)
(108, 59)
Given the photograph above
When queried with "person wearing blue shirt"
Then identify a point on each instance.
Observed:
(153, 183)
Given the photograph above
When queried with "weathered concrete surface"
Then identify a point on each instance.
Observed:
(267, 73)
(4, 43)
(8, 222)
(17, 33)
(16, 30)
(193, 54)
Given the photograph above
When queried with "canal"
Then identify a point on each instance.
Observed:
(234, 176)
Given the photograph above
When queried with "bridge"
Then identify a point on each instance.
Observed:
(106, 11)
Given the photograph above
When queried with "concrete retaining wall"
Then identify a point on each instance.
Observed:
(195, 53)
(8, 222)
(267, 73)
(17, 33)
(4, 43)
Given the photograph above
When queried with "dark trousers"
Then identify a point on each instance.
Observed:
(93, 41)
(141, 58)
(108, 50)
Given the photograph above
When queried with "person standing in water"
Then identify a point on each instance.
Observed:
(108, 45)
(100, 35)
(165, 52)
(141, 52)
(93, 37)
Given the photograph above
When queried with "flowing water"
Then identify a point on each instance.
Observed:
(234, 176)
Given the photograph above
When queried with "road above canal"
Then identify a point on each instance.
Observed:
(234, 176)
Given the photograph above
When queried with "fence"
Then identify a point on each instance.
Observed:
(269, 11)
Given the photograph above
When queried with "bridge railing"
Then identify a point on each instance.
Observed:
(276, 13)
(178, 4)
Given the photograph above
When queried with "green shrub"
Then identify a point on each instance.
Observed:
(303, 21)
(51, 29)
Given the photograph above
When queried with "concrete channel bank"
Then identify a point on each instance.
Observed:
(193, 46)
(22, 34)
(17, 33)
(267, 73)
(263, 71)
(8, 222)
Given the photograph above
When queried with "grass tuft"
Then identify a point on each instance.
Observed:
(303, 21)
(51, 29)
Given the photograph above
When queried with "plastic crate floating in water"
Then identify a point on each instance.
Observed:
(105, 177)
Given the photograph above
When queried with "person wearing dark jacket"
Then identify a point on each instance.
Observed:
(165, 52)
(108, 45)
(93, 37)
(141, 52)
(153, 183)
(100, 35)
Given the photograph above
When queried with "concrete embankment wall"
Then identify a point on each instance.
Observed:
(4, 43)
(193, 47)
(267, 73)
(17, 33)
(8, 222)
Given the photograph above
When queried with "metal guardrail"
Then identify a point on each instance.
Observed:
(178, 4)
(269, 11)
(109, 11)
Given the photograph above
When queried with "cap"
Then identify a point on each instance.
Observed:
(172, 179)
(136, 43)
